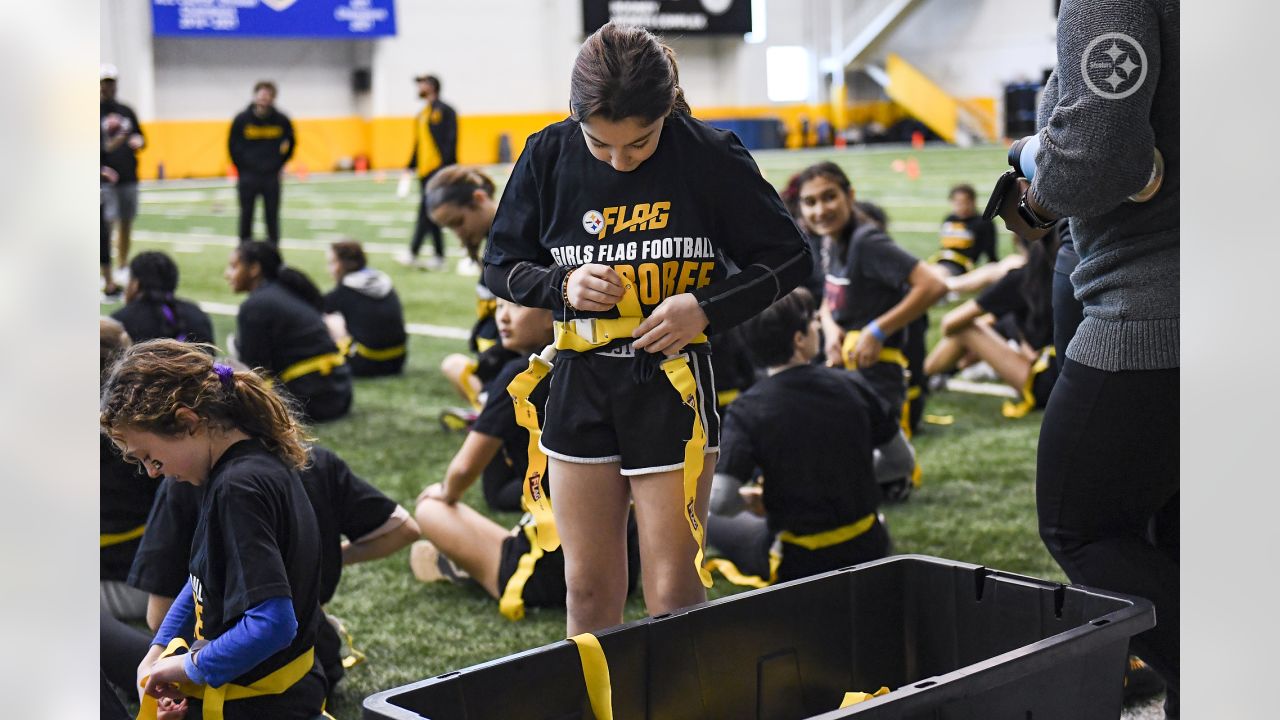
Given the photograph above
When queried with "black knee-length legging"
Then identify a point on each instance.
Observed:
(1107, 492)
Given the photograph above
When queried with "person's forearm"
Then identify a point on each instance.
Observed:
(157, 608)
(179, 621)
(926, 290)
(397, 532)
(263, 630)
(743, 295)
(527, 283)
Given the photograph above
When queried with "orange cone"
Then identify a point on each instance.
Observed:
(913, 169)
(300, 171)
(917, 139)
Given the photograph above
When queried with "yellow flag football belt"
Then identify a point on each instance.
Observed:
(216, 697)
(582, 336)
(887, 354)
(348, 347)
(951, 255)
(323, 364)
(1028, 401)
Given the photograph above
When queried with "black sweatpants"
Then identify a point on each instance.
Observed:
(249, 188)
(425, 225)
(121, 648)
(1107, 493)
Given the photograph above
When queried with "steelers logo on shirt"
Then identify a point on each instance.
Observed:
(592, 221)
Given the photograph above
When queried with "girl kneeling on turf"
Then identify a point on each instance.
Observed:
(617, 219)
(251, 609)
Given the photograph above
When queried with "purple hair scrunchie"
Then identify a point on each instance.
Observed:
(226, 374)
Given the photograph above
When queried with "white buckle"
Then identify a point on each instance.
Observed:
(585, 328)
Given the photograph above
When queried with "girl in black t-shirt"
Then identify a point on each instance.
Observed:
(965, 236)
(364, 314)
(874, 289)
(1021, 305)
(152, 311)
(251, 611)
(280, 329)
(617, 218)
(462, 199)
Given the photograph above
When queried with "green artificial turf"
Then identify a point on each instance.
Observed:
(977, 502)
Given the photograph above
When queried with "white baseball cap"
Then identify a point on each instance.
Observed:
(107, 71)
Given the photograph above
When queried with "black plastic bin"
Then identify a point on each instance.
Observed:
(951, 640)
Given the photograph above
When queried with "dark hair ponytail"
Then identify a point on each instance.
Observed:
(157, 276)
(267, 257)
(624, 71)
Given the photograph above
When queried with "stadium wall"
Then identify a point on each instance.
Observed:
(505, 68)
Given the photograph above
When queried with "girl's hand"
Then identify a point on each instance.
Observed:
(436, 491)
(674, 323)
(753, 497)
(594, 288)
(165, 674)
(167, 709)
(866, 352)
(835, 349)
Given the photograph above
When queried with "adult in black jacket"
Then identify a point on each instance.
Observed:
(152, 311)
(122, 139)
(279, 328)
(435, 146)
(371, 330)
(260, 143)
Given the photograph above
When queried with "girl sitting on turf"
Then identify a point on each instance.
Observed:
(279, 328)
(357, 523)
(363, 313)
(1010, 326)
(251, 608)
(812, 432)
(458, 536)
(874, 289)
(151, 310)
(462, 199)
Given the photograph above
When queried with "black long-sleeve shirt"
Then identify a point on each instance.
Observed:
(667, 225)
(261, 145)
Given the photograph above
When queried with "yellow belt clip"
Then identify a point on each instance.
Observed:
(887, 354)
(323, 364)
(1028, 402)
(595, 674)
(216, 697)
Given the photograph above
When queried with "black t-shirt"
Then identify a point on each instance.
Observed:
(866, 276)
(498, 419)
(255, 539)
(375, 322)
(123, 159)
(275, 329)
(125, 494)
(661, 225)
(1008, 297)
(731, 363)
(146, 319)
(972, 237)
(345, 506)
(811, 431)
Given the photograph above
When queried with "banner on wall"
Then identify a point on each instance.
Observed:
(671, 17)
(335, 19)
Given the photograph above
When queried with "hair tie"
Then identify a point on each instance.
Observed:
(226, 375)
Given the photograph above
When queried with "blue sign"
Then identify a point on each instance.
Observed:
(337, 19)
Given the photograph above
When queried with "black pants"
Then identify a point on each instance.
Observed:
(121, 648)
(917, 384)
(425, 225)
(250, 187)
(1107, 493)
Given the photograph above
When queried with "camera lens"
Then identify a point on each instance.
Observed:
(1015, 153)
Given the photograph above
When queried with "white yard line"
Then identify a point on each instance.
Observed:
(425, 329)
(189, 240)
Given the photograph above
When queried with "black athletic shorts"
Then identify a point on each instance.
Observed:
(597, 413)
(545, 586)
(952, 267)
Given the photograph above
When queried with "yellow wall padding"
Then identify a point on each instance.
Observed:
(921, 97)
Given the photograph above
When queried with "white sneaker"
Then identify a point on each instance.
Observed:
(121, 275)
(467, 266)
(978, 372)
(404, 258)
(435, 262)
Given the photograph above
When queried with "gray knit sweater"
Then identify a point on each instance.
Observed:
(1097, 134)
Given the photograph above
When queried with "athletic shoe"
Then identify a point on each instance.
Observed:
(431, 565)
(979, 372)
(1140, 681)
(457, 419)
(121, 275)
(112, 295)
(936, 383)
(408, 260)
(435, 262)
(467, 266)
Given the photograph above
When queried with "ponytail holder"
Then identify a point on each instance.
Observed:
(226, 375)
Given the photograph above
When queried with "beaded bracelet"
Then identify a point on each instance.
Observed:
(564, 290)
